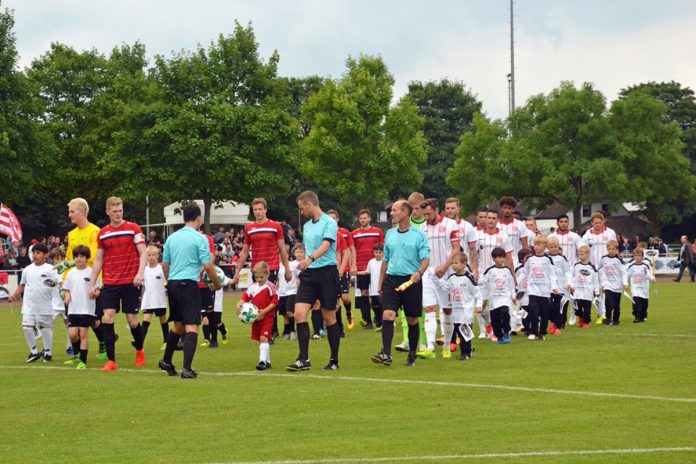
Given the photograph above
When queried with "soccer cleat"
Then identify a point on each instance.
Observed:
(293, 336)
(446, 353)
(213, 344)
(552, 327)
(81, 365)
(205, 343)
(368, 326)
(506, 338)
(164, 346)
(225, 340)
(351, 322)
(585, 325)
(102, 356)
(453, 346)
(299, 365)
(600, 320)
(69, 351)
(541, 337)
(636, 320)
(73, 360)
(33, 357)
(168, 368)
(261, 366)
(140, 358)
(330, 366)
(483, 335)
(440, 341)
(426, 354)
(362, 323)
(464, 357)
(616, 322)
(378, 329)
(403, 347)
(410, 361)
(580, 321)
(110, 366)
(557, 332)
(606, 321)
(531, 337)
(47, 358)
(286, 336)
(188, 374)
(268, 365)
(572, 319)
(381, 358)
(316, 336)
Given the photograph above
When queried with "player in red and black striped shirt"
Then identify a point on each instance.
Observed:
(365, 238)
(121, 258)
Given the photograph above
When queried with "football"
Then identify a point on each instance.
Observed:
(248, 313)
(220, 275)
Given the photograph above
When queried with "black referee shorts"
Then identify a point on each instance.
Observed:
(411, 299)
(362, 281)
(320, 283)
(184, 302)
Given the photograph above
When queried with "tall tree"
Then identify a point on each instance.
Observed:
(359, 146)
(447, 108)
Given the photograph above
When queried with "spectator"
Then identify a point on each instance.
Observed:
(219, 235)
(686, 259)
(22, 261)
(624, 245)
(10, 260)
(661, 247)
(153, 239)
(238, 242)
(291, 238)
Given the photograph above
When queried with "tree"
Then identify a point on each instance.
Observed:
(447, 109)
(359, 147)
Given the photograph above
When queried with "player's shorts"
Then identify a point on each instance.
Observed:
(42, 321)
(264, 327)
(319, 283)
(156, 311)
(207, 299)
(184, 302)
(81, 320)
(272, 277)
(62, 313)
(122, 298)
(376, 301)
(286, 304)
(433, 295)
(344, 283)
(362, 281)
(411, 299)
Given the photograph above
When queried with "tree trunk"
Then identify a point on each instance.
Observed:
(207, 204)
(577, 216)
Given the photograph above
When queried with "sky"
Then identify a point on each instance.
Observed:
(610, 43)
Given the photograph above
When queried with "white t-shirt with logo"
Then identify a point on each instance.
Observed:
(77, 283)
(155, 294)
(40, 283)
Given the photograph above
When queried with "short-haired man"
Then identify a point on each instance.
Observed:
(568, 240)
(515, 229)
(686, 259)
(468, 237)
(532, 230)
(185, 253)
(365, 237)
(121, 257)
(347, 268)
(597, 238)
(318, 280)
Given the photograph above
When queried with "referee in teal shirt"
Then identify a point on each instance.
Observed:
(406, 257)
(185, 252)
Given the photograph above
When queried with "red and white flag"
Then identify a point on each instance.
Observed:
(9, 224)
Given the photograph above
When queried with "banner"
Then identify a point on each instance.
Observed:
(662, 265)
(9, 224)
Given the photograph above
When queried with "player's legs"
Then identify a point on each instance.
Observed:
(30, 331)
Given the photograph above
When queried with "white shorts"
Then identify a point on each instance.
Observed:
(433, 295)
(37, 320)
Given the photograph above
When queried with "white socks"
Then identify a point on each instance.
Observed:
(447, 329)
(47, 334)
(31, 339)
(264, 352)
(430, 330)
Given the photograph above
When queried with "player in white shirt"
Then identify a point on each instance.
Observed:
(443, 236)
(154, 294)
(559, 303)
(597, 238)
(515, 229)
(287, 292)
(81, 308)
(374, 268)
(640, 275)
(498, 290)
(541, 283)
(613, 280)
(584, 285)
(568, 240)
(37, 284)
(522, 291)
(468, 234)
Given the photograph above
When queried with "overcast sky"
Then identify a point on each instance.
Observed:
(612, 43)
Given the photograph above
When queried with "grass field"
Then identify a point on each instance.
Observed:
(604, 394)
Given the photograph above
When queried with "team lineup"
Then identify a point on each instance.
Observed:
(430, 266)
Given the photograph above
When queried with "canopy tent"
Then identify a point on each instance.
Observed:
(229, 213)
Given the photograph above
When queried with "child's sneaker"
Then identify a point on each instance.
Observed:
(81, 365)
(140, 358)
(73, 360)
(506, 338)
(110, 366)
(47, 358)
(205, 343)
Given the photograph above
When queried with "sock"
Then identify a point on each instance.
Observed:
(348, 307)
(47, 335)
(291, 323)
(303, 339)
(404, 327)
(165, 330)
(190, 341)
(413, 333)
(317, 321)
(365, 309)
(206, 330)
(264, 352)
(422, 339)
(275, 324)
(212, 326)
(430, 330)
(99, 333)
(31, 339)
(222, 329)
(286, 329)
(339, 318)
(137, 337)
(333, 332)
(109, 341)
(144, 329)
(76, 347)
(387, 336)
(172, 341)
(67, 335)
(83, 356)
(447, 328)
(377, 310)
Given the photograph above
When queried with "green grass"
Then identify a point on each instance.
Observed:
(231, 413)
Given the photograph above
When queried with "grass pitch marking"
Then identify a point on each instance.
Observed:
(329, 377)
(475, 456)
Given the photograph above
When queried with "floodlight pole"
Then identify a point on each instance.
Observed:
(511, 76)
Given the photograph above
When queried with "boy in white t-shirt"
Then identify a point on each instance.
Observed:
(374, 268)
(81, 308)
(216, 315)
(39, 280)
(57, 257)
(154, 294)
(287, 292)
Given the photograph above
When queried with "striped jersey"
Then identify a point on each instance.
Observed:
(440, 237)
(598, 243)
(516, 231)
(263, 242)
(365, 241)
(569, 242)
(121, 259)
(485, 245)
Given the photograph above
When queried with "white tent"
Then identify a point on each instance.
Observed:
(229, 213)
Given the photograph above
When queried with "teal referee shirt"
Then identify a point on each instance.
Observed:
(186, 251)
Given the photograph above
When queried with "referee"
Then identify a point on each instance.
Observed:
(185, 252)
(406, 257)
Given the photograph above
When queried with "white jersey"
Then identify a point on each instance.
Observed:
(612, 273)
(155, 294)
(531, 236)
(485, 245)
(569, 242)
(640, 275)
(40, 283)
(464, 296)
(77, 283)
(220, 295)
(440, 237)
(598, 243)
(291, 287)
(560, 263)
(585, 281)
(541, 276)
(498, 287)
(374, 268)
(468, 234)
(516, 231)
(57, 302)
(522, 285)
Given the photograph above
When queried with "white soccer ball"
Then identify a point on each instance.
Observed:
(248, 313)
(220, 275)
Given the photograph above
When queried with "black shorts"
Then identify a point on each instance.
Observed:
(286, 304)
(156, 311)
(345, 283)
(272, 277)
(99, 307)
(184, 302)
(376, 301)
(207, 299)
(122, 298)
(81, 320)
(411, 299)
(362, 281)
(320, 283)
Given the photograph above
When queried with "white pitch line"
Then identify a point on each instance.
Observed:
(329, 377)
(474, 456)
